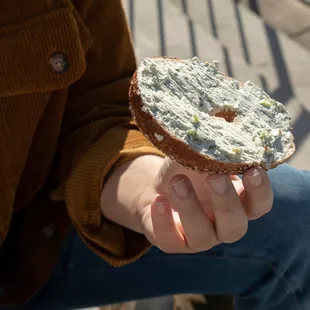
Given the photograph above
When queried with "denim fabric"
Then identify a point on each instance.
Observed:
(268, 269)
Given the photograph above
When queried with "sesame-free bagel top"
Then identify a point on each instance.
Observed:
(207, 121)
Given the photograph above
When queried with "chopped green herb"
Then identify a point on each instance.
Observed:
(265, 104)
(195, 119)
(268, 103)
(263, 135)
(236, 150)
(192, 133)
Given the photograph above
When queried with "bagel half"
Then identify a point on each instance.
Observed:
(207, 121)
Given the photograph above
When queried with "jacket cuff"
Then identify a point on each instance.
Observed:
(114, 243)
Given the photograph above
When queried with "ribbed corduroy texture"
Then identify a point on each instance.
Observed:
(60, 134)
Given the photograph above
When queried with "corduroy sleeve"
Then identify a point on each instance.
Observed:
(98, 132)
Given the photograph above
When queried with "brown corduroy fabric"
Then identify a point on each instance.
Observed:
(60, 135)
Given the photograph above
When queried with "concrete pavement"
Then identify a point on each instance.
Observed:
(291, 17)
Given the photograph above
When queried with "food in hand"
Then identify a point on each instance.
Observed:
(207, 121)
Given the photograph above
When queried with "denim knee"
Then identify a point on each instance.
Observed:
(291, 185)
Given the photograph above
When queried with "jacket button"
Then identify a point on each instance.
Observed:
(49, 231)
(59, 62)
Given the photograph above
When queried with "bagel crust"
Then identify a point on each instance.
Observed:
(176, 149)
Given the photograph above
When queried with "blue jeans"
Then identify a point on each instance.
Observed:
(268, 269)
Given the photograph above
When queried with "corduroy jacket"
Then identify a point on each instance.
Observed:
(65, 69)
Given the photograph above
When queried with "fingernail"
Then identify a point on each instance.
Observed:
(256, 178)
(181, 188)
(219, 185)
(160, 208)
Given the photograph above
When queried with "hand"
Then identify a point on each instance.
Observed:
(182, 211)
(185, 212)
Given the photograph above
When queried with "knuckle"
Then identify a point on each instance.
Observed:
(227, 206)
(227, 209)
(189, 207)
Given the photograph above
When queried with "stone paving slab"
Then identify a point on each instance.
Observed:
(304, 38)
(292, 17)
(289, 16)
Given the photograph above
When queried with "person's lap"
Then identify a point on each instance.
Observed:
(267, 269)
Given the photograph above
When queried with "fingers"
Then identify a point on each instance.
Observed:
(232, 201)
(197, 228)
(230, 217)
(166, 235)
(258, 195)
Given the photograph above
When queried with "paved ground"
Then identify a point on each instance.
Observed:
(292, 17)
(248, 49)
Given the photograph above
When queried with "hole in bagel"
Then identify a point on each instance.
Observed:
(228, 115)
